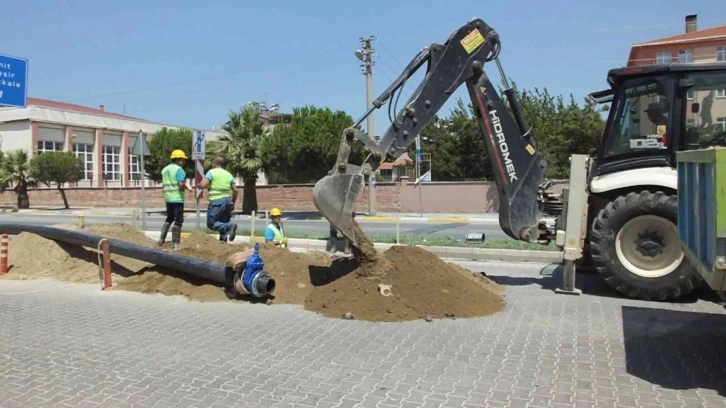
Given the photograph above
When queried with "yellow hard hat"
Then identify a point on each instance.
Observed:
(275, 212)
(178, 154)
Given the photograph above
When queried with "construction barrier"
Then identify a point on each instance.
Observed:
(104, 264)
(4, 255)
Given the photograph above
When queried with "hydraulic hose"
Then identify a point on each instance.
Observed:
(193, 266)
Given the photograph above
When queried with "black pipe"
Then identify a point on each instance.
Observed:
(192, 266)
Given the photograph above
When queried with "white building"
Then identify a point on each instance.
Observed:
(102, 139)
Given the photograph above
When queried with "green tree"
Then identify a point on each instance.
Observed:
(14, 175)
(443, 145)
(56, 167)
(456, 146)
(240, 148)
(304, 150)
(161, 145)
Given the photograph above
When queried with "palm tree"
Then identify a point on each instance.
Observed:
(240, 147)
(14, 170)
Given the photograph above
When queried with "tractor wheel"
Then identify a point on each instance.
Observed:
(635, 246)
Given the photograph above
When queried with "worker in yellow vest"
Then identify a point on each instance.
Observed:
(173, 178)
(222, 196)
(274, 232)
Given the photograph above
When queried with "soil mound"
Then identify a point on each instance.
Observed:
(419, 285)
(122, 232)
(403, 283)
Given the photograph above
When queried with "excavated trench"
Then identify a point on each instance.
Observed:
(402, 283)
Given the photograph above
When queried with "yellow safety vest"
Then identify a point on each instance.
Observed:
(278, 235)
(172, 192)
(221, 185)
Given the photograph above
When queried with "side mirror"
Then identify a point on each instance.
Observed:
(695, 107)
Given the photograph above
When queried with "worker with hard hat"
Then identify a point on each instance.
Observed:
(274, 232)
(222, 196)
(173, 178)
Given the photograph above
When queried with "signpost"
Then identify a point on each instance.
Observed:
(13, 81)
(199, 151)
(141, 149)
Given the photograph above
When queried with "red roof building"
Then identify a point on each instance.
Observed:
(694, 45)
(101, 139)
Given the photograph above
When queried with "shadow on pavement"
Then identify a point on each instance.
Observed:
(677, 350)
(589, 282)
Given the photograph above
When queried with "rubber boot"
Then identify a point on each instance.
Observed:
(232, 232)
(164, 231)
(175, 237)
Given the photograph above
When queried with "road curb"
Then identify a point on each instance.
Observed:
(432, 220)
(475, 254)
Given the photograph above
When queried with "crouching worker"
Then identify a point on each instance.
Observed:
(273, 232)
(173, 179)
(222, 196)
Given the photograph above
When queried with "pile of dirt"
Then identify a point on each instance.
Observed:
(417, 285)
(403, 283)
(370, 263)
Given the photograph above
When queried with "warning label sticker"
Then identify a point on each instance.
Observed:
(473, 40)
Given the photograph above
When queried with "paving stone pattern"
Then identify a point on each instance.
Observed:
(75, 346)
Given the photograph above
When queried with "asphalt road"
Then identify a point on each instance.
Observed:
(154, 222)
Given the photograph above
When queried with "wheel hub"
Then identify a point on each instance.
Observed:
(647, 246)
(650, 243)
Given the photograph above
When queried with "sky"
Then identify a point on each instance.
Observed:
(187, 63)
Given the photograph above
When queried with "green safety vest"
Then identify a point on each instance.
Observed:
(221, 185)
(172, 192)
(278, 234)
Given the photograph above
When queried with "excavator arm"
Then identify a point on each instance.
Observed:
(517, 165)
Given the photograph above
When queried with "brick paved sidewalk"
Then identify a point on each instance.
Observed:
(79, 347)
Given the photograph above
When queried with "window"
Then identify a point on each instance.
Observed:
(685, 56)
(690, 95)
(84, 152)
(721, 93)
(134, 167)
(112, 163)
(721, 54)
(641, 117)
(663, 58)
(46, 146)
(708, 112)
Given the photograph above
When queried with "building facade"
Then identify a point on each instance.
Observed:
(101, 139)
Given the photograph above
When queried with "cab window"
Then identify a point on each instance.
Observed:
(641, 117)
(705, 111)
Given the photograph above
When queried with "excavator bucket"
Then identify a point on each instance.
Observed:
(334, 196)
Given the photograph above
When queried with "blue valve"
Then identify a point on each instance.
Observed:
(255, 280)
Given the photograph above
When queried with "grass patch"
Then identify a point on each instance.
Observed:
(426, 240)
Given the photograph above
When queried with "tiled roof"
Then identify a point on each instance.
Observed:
(403, 160)
(76, 108)
(687, 37)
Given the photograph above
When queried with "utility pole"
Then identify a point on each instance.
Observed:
(366, 57)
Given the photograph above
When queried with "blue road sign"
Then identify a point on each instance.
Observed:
(13, 81)
(199, 146)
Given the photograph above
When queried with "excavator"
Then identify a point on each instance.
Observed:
(619, 212)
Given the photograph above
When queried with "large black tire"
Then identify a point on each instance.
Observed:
(623, 257)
